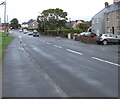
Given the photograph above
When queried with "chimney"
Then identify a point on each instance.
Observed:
(106, 4)
(114, 1)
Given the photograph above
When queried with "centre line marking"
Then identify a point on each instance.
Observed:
(105, 61)
(48, 43)
(74, 51)
(43, 41)
(57, 46)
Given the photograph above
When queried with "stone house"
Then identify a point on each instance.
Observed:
(112, 19)
(108, 19)
(33, 25)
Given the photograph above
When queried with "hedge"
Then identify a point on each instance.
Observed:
(62, 31)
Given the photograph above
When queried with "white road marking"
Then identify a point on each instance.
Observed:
(48, 43)
(105, 61)
(43, 41)
(57, 46)
(74, 51)
(22, 49)
(103, 49)
(19, 37)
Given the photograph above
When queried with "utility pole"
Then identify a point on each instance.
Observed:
(5, 18)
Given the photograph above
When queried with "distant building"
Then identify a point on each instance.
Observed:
(0, 20)
(108, 19)
(70, 24)
(30, 24)
(76, 24)
(0, 23)
(24, 25)
(33, 25)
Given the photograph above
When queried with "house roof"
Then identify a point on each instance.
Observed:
(110, 8)
(113, 7)
(30, 22)
(24, 23)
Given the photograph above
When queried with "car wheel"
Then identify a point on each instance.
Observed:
(105, 42)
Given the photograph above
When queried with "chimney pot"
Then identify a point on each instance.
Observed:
(106, 4)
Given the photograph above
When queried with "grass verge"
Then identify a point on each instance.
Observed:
(4, 42)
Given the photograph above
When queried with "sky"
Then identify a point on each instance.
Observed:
(24, 10)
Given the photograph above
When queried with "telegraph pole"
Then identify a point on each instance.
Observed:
(5, 18)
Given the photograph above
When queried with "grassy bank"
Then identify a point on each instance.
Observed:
(4, 42)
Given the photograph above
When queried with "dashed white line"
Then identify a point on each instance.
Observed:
(48, 43)
(43, 41)
(105, 61)
(74, 51)
(57, 46)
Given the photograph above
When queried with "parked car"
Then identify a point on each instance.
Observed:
(107, 38)
(35, 33)
(87, 34)
(20, 30)
(30, 33)
(25, 31)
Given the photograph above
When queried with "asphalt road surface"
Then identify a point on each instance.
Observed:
(57, 67)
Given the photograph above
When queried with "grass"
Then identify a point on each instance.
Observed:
(2, 34)
(4, 42)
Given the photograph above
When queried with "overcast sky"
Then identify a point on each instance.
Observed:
(24, 10)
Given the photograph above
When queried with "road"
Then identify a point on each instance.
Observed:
(57, 67)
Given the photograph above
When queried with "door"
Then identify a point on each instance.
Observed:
(113, 30)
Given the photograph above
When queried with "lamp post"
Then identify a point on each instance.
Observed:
(4, 3)
(5, 18)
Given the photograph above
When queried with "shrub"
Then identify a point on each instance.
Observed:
(62, 31)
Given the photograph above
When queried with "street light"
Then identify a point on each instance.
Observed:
(4, 3)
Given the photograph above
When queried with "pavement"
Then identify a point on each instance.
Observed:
(57, 67)
(0, 73)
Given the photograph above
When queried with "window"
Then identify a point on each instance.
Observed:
(97, 21)
(93, 21)
(117, 17)
(108, 30)
(108, 18)
(118, 30)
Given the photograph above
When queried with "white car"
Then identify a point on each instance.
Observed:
(107, 38)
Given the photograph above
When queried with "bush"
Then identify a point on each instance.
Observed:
(76, 30)
(62, 31)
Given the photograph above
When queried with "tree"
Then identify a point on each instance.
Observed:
(83, 26)
(52, 19)
(14, 24)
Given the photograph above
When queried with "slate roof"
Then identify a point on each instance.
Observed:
(110, 8)
(113, 7)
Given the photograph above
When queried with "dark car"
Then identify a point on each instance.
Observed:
(30, 33)
(35, 33)
(88, 34)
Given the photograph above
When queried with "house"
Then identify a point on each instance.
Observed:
(33, 24)
(107, 20)
(24, 25)
(112, 19)
(77, 23)
(70, 24)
